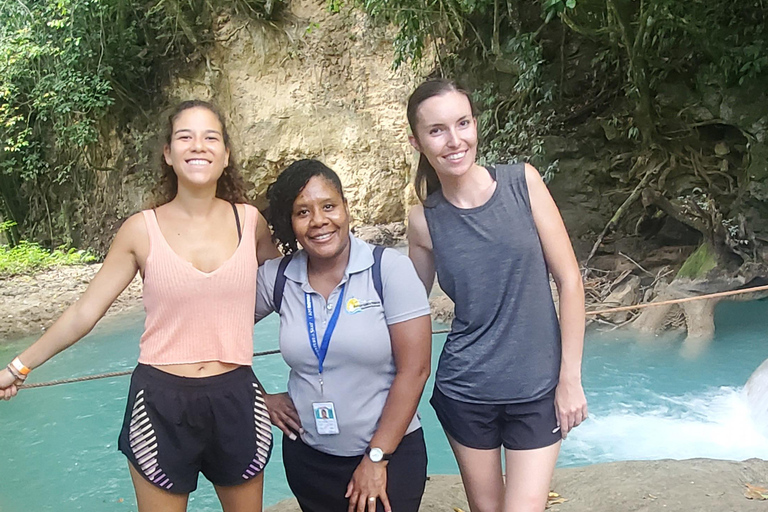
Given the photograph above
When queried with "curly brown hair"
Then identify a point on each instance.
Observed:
(230, 187)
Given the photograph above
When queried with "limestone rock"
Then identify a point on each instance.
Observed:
(625, 293)
(388, 235)
(289, 95)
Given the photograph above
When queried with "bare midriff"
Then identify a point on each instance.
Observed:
(198, 370)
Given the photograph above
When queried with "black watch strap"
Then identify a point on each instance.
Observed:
(377, 454)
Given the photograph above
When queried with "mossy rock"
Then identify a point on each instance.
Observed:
(699, 263)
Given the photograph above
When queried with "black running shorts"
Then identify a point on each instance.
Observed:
(518, 426)
(176, 427)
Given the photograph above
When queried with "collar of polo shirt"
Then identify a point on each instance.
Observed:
(360, 259)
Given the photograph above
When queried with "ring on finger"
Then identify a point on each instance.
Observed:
(372, 498)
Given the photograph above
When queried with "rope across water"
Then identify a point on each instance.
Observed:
(438, 331)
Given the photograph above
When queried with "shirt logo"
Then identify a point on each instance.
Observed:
(355, 305)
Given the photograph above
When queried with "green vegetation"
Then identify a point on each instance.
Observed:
(27, 257)
(652, 76)
(639, 86)
(72, 70)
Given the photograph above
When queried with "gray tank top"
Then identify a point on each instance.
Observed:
(504, 344)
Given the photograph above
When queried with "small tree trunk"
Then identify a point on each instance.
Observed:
(638, 73)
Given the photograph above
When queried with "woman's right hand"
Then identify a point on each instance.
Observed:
(283, 414)
(8, 384)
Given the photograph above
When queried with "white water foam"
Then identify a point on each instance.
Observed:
(715, 425)
(756, 390)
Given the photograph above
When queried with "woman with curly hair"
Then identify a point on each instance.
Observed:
(194, 404)
(356, 333)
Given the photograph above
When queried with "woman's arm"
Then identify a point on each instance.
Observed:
(411, 348)
(265, 247)
(571, 404)
(281, 410)
(420, 247)
(116, 273)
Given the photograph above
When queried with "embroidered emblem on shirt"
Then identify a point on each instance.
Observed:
(355, 305)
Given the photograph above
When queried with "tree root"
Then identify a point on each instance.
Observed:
(649, 173)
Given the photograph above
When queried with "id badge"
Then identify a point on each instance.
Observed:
(325, 418)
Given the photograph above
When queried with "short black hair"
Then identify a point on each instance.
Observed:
(283, 192)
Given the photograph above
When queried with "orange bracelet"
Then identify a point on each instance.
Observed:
(16, 363)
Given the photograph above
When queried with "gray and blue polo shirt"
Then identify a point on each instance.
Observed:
(359, 367)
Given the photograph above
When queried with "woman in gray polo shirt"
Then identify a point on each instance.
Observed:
(359, 355)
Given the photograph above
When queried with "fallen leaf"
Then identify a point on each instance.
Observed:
(554, 499)
(457, 509)
(755, 492)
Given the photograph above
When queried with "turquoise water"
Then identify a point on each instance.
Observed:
(648, 400)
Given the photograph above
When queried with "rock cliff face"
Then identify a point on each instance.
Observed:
(319, 85)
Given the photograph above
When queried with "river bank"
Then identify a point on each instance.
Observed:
(29, 304)
(701, 485)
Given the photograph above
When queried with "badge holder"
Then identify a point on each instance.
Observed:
(325, 418)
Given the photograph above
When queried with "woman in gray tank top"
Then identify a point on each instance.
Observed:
(510, 371)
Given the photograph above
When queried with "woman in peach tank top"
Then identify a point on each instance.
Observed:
(194, 404)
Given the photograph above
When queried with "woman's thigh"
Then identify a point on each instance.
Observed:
(529, 474)
(407, 474)
(245, 497)
(150, 497)
(481, 475)
(319, 480)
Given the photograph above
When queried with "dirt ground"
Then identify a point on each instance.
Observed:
(695, 485)
(29, 304)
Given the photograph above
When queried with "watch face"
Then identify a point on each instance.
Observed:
(376, 454)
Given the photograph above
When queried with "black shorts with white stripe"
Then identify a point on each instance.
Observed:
(177, 427)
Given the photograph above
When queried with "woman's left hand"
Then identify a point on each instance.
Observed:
(570, 405)
(369, 483)
(8, 384)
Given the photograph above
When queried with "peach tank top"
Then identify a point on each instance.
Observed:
(195, 316)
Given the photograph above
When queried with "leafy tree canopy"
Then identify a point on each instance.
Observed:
(68, 65)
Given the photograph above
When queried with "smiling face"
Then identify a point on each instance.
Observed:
(446, 133)
(320, 220)
(197, 150)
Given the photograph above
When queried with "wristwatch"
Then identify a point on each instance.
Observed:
(377, 454)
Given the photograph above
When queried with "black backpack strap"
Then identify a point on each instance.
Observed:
(377, 252)
(237, 221)
(277, 293)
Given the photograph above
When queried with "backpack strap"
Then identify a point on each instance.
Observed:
(376, 271)
(277, 293)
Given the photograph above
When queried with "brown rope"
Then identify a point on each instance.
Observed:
(438, 331)
(678, 301)
(108, 375)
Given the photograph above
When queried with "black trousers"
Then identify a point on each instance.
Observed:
(319, 480)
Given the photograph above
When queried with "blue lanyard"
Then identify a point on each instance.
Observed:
(322, 349)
